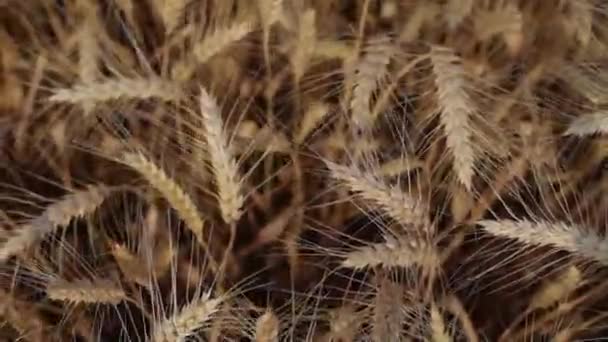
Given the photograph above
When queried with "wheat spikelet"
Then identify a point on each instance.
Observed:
(397, 204)
(557, 289)
(456, 109)
(369, 71)
(60, 213)
(267, 328)
(185, 322)
(85, 291)
(305, 43)
(222, 162)
(437, 326)
(560, 235)
(173, 193)
(395, 252)
(114, 89)
(589, 124)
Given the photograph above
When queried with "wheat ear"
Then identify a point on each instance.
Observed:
(171, 11)
(113, 89)
(171, 191)
(589, 124)
(397, 204)
(85, 291)
(388, 313)
(305, 43)
(369, 71)
(571, 238)
(457, 11)
(395, 252)
(455, 112)
(555, 290)
(267, 328)
(185, 322)
(224, 166)
(60, 213)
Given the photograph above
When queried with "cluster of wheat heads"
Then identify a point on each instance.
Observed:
(303, 170)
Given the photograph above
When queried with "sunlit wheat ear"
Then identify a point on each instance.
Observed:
(171, 11)
(456, 11)
(313, 116)
(555, 290)
(187, 320)
(211, 44)
(568, 237)
(438, 331)
(370, 70)
(224, 166)
(397, 204)
(76, 204)
(395, 252)
(506, 21)
(456, 109)
(589, 124)
(388, 313)
(588, 80)
(114, 89)
(344, 322)
(305, 43)
(267, 327)
(85, 291)
(171, 191)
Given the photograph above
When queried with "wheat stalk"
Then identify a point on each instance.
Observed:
(369, 71)
(60, 213)
(224, 166)
(114, 89)
(267, 328)
(397, 204)
(185, 322)
(85, 291)
(455, 112)
(571, 238)
(589, 124)
(395, 252)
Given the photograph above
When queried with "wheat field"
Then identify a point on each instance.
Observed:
(303, 170)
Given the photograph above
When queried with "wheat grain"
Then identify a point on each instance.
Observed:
(223, 164)
(267, 328)
(185, 322)
(397, 204)
(568, 237)
(85, 291)
(114, 89)
(171, 191)
(395, 252)
(589, 124)
(455, 112)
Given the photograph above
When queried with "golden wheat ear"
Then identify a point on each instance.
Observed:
(86, 291)
(568, 237)
(589, 124)
(61, 213)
